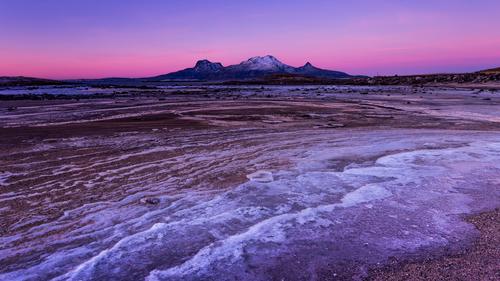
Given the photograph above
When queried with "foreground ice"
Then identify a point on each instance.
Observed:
(351, 197)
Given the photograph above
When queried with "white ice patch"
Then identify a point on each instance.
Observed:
(364, 194)
(261, 176)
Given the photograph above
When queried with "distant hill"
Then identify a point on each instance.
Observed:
(491, 71)
(256, 67)
(9, 81)
(263, 70)
(293, 79)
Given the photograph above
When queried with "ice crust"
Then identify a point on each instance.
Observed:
(401, 191)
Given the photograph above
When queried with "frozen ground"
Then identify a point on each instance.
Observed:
(281, 183)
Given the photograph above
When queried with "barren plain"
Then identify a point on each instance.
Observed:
(244, 182)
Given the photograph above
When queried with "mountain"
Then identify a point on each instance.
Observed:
(203, 70)
(309, 70)
(255, 67)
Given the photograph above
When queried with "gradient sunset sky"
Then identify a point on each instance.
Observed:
(108, 38)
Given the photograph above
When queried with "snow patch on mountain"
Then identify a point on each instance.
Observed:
(265, 63)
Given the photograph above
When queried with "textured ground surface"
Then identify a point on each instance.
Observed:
(479, 262)
(293, 183)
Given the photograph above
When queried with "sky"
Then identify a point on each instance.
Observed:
(63, 39)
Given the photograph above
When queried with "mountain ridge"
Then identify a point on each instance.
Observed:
(254, 67)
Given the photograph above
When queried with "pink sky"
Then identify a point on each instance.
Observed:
(92, 39)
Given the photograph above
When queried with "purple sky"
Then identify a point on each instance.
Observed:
(90, 38)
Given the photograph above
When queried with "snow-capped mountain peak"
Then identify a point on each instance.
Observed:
(265, 63)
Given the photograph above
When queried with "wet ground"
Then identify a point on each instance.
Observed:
(243, 183)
